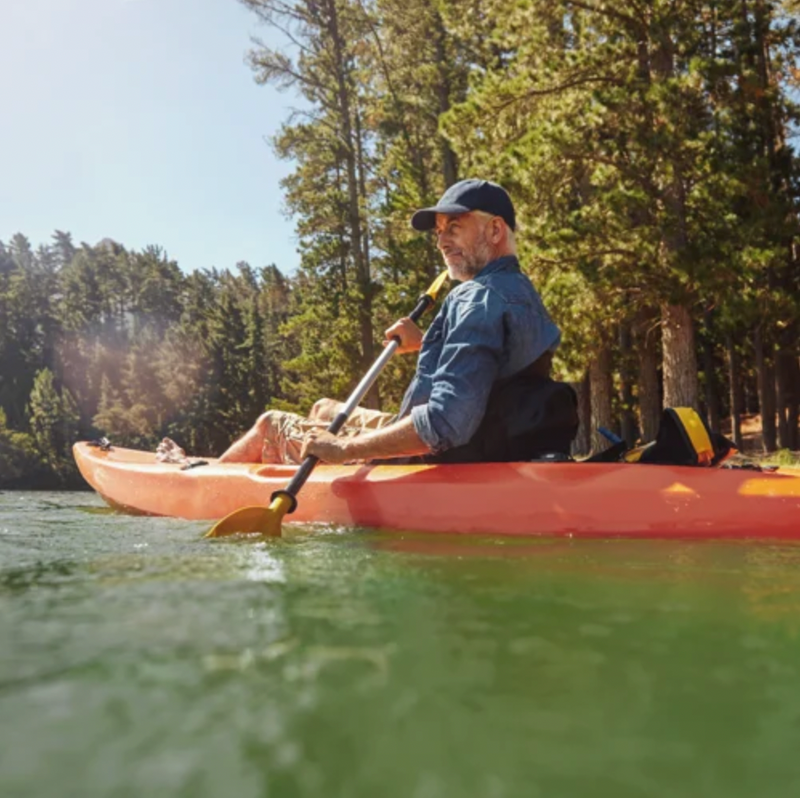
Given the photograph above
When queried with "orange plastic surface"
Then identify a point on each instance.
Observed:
(581, 499)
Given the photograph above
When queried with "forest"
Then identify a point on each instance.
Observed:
(649, 147)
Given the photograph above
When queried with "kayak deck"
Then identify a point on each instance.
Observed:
(580, 499)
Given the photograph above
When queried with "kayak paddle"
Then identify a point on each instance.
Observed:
(267, 520)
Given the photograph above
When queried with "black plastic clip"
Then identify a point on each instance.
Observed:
(195, 464)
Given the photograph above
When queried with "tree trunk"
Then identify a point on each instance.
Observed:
(646, 333)
(782, 389)
(765, 371)
(679, 360)
(787, 387)
(362, 189)
(373, 397)
(582, 445)
(443, 91)
(710, 373)
(602, 388)
(350, 146)
(628, 427)
(793, 408)
(681, 388)
(750, 388)
(737, 394)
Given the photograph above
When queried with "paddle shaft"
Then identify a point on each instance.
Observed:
(353, 401)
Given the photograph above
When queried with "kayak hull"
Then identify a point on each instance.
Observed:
(574, 499)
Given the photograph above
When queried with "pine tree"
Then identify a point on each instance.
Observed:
(54, 421)
(328, 190)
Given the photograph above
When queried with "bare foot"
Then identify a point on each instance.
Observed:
(169, 452)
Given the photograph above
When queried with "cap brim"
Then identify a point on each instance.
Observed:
(425, 219)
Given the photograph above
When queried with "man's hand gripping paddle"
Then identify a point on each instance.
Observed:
(267, 520)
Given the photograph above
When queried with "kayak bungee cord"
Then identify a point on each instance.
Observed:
(267, 520)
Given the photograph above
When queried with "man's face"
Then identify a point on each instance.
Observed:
(463, 243)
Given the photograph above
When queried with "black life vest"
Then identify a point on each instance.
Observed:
(684, 438)
(528, 415)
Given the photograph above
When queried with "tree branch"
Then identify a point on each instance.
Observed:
(569, 84)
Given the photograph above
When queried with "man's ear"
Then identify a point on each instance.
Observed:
(497, 230)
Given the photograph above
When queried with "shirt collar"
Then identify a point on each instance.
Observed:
(506, 263)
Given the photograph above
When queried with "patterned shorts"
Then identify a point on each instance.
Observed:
(283, 439)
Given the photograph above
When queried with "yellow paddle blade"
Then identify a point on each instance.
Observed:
(253, 520)
(436, 285)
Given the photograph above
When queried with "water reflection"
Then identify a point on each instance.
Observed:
(38, 575)
(264, 566)
(144, 660)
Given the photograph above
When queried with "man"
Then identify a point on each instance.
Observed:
(481, 390)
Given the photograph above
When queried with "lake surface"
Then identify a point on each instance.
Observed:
(137, 659)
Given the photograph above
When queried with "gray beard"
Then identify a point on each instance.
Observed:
(467, 272)
(473, 262)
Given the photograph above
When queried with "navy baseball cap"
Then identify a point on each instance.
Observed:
(466, 196)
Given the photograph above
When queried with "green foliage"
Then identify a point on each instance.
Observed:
(649, 150)
(103, 340)
(53, 422)
(19, 460)
(783, 457)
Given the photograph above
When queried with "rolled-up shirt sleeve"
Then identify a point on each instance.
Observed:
(468, 367)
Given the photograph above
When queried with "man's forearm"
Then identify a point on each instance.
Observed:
(396, 440)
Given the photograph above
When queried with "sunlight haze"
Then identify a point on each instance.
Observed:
(138, 120)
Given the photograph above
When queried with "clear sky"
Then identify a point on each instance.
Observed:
(138, 120)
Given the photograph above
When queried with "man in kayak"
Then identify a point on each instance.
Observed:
(481, 391)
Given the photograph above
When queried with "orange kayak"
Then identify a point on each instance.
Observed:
(580, 499)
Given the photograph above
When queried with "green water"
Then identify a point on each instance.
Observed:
(137, 659)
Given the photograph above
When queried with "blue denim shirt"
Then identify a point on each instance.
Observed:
(489, 328)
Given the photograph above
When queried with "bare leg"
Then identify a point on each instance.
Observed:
(277, 437)
(249, 447)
